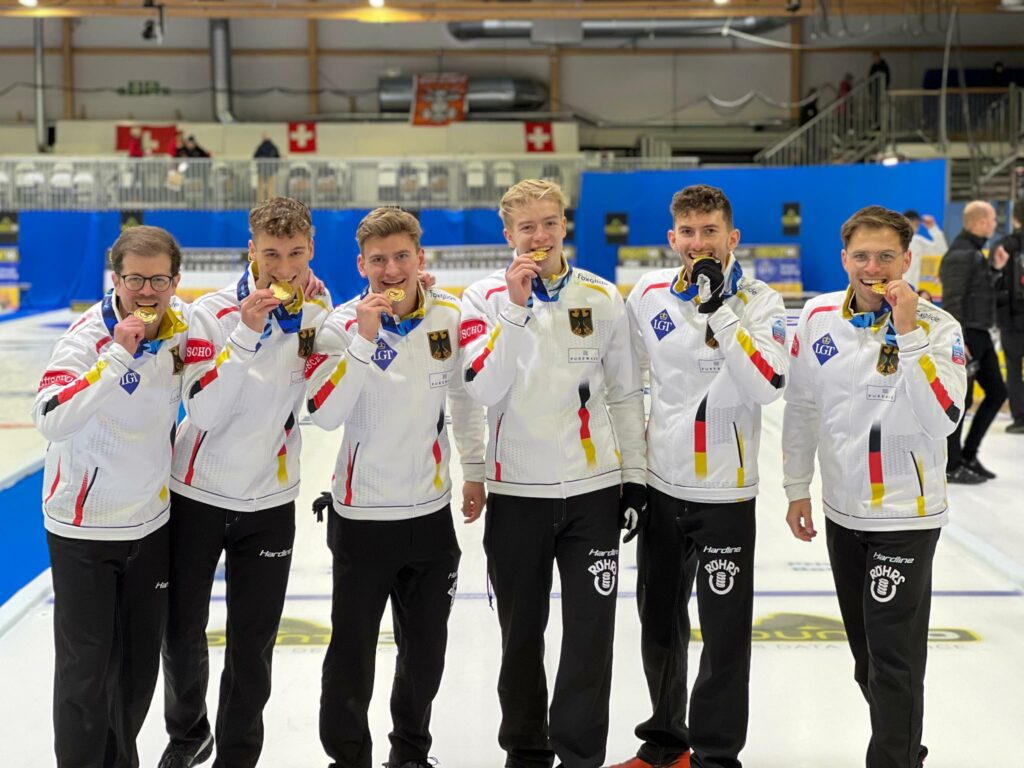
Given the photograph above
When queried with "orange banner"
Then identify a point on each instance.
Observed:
(439, 99)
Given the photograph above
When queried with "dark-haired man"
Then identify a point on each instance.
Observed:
(234, 481)
(107, 403)
(877, 382)
(714, 340)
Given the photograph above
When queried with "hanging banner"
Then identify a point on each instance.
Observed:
(301, 138)
(439, 99)
(540, 136)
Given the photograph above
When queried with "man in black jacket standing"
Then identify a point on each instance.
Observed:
(968, 293)
(1010, 314)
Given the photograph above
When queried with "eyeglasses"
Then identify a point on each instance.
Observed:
(160, 283)
(885, 258)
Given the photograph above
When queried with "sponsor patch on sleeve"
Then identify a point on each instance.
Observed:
(795, 349)
(56, 378)
(471, 329)
(198, 351)
(313, 362)
(779, 329)
(958, 351)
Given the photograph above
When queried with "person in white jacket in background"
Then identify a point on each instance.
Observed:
(108, 403)
(386, 366)
(935, 243)
(715, 342)
(546, 348)
(877, 382)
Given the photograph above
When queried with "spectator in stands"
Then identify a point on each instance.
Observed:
(180, 150)
(1010, 314)
(266, 156)
(809, 107)
(968, 294)
(136, 149)
(193, 149)
(920, 245)
(1000, 78)
(880, 65)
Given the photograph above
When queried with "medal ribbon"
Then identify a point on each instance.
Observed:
(871, 320)
(684, 290)
(288, 318)
(170, 324)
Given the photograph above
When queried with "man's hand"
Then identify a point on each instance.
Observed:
(1000, 257)
(368, 312)
(256, 306)
(903, 299)
(472, 500)
(314, 287)
(426, 279)
(129, 333)
(928, 220)
(707, 275)
(519, 279)
(633, 508)
(322, 502)
(799, 519)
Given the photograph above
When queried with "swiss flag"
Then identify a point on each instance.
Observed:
(301, 138)
(539, 137)
(156, 139)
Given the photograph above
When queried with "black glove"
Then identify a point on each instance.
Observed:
(633, 509)
(324, 501)
(712, 270)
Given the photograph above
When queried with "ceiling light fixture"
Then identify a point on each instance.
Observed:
(29, 3)
(376, 3)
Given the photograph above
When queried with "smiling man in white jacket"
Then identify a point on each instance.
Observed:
(715, 343)
(877, 382)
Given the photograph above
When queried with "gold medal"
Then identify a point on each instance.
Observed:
(394, 295)
(539, 255)
(146, 314)
(282, 291)
(879, 288)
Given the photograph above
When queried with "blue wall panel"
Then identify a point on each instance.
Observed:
(828, 195)
(26, 554)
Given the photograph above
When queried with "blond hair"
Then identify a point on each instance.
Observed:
(384, 222)
(281, 217)
(527, 191)
(878, 217)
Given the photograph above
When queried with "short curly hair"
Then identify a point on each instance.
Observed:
(701, 198)
(878, 217)
(281, 217)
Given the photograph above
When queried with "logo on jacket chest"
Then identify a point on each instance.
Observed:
(440, 344)
(825, 349)
(130, 381)
(179, 364)
(306, 338)
(581, 321)
(662, 324)
(888, 359)
(384, 355)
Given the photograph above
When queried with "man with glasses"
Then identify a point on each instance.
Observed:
(235, 477)
(107, 403)
(876, 383)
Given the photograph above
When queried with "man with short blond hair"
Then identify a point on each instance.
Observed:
(968, 294)
(546, 348)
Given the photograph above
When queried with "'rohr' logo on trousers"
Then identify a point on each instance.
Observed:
(721, 575)
(884, 581)
(604, 576)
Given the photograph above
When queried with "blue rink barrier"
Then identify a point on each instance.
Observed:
(26, 552)
(62, 253)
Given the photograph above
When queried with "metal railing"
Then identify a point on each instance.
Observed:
(68, 183)
(992, 114)
(846, 131)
